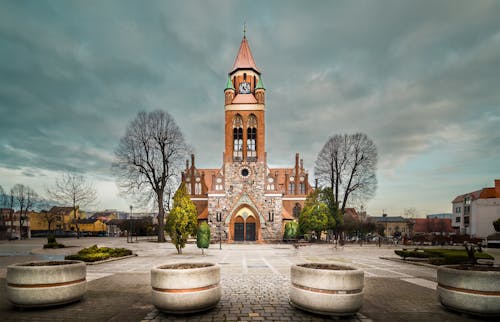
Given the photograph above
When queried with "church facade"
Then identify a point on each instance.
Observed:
(244, 199)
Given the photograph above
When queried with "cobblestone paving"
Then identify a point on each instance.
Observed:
(254, 278)
(255, 288)
(252, 297)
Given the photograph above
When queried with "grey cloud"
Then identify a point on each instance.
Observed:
(412, 75)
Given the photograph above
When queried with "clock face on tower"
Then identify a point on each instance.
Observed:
(244, 88)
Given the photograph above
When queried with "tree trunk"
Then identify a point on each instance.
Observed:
(76, 222)
(161, 218)
(21, 223)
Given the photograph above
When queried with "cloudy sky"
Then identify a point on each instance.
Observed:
(421, 78)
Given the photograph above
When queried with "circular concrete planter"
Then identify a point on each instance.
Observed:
(186, 287)
(330, 289)
(469, 291)
(46, 283)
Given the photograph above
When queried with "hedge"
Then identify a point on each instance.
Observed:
(94, 253)
(442, 256)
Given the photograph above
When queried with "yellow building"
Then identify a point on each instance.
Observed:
(393, 225)
(61, 220)
(92, 227)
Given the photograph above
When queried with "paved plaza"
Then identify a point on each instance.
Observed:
(255, 281)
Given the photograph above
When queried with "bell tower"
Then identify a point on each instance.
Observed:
(244, 110)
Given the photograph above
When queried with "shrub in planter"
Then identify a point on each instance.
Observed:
(203, 236)
(331, 289)
(46, 283)
(291, 230)
(186, 287)
(470, 288)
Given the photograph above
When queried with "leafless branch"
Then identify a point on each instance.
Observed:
(73, 189)
(149, 159)
(347, 165)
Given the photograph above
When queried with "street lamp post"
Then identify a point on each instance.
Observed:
(130, 226)
(385, 219)
(219, 224)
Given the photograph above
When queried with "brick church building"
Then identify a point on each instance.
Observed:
(244, 199)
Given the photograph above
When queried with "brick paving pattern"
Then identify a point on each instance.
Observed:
(252, 297)
(255, 281)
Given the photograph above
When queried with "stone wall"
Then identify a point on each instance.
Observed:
(246, 190)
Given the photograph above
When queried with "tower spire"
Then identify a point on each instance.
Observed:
(244, 29)
(244, 58)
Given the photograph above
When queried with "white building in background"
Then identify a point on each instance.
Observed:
(11, 227)
(474, 212)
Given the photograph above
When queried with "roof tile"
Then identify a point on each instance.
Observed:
(244, 59)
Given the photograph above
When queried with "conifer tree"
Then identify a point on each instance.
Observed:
(314, 216)
(203, 237)
(182, 220)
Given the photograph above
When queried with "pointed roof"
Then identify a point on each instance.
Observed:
(229, 84)
(260, 84)
(244, 59)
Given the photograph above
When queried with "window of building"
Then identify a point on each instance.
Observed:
(458, 209)
(252, 138)
(457, 219)
(291, 187)
(296, 210)
(197, 188)
(302, 188)
(466, 220)
(218, 184)
(237, 138)
(188, 187)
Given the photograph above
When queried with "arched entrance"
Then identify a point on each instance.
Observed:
(250, 229)
(239, 229)
(244, 225)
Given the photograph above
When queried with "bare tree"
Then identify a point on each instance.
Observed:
(410, 212)
(149, 160)
(3, 198)
(24, 197)
(347, 164)
(73, 189)
(49, 217)
(11, 203)
(3, 203)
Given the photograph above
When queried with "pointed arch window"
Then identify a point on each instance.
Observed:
(296, 210)
(302, 188)
(197, 188)
(237, 138)
(291, 187)
(252, 138)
